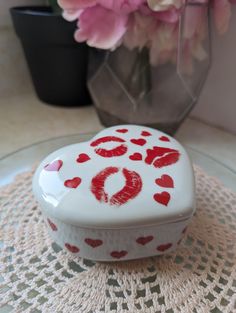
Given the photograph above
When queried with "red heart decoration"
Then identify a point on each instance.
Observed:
(72, 183)
(162, 198)
(144, 240)
(83, 157)
(72, 248)
(145, 133)
(94, 243)
(164, 247)
(54, 166)
(119, 254)
(52, 225)
(165, 181)
(164, 138)
(136, 157)
(139, 142)
(123, 131)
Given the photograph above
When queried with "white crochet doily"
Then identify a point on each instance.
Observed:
(200, 276)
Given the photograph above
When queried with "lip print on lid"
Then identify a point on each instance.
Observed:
(115, 152)
(133, 186)
(161, 156)
(54, 166)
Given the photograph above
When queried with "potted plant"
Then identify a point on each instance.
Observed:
(58, 65)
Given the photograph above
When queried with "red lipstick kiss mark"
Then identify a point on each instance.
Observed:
(133, 186)
(71, 248)
(164, 138)
(165, 156)
(139, 142)
(54, 166)
(164, 247)
(72, 183)
(136, 157)
(123, 131)
(144, 240)
(165, 181)
(52, 225)
(145, 133)
(162, 198)
(105, 153)
(94, 243)
(119, 254)
(83, 157)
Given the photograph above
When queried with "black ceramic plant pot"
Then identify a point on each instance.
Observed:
(58, 64)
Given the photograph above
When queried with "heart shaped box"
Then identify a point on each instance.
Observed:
(126, 194)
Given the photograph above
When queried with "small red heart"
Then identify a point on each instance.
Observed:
(71, 248)
(162, 198)
(119, 254)
(144, 240)
(164, 138)
(123, 131)
(136, 157)
(83, 157)
(72, 183)
(145, 133)
(165, 181)
(52, 225)
(93, 242)
(139, 142)
(54, 166)
(164, 247)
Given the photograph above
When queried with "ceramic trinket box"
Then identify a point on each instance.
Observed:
(127, 193)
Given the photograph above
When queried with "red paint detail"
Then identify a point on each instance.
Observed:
(72, 248)
(145, 133)
(144, 240)
(119, 254)
(162, 198)
(136, 157)
(106, 139)
(72, 183)
(123, 131)
(139, 142)
(164, 138)
(164, 247)
(98, 183)
(165, 156)
(94, 243)
(52, 225)
(133, 186)
(165, 181)
(54, 166)
(118, 151)
(83, 157)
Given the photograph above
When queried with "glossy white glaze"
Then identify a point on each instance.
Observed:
(130, 187)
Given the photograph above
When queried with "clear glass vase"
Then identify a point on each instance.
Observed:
(127, 87)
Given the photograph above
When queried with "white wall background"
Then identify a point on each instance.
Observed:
(217, 103)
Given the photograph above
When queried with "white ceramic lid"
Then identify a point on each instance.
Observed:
(125, 176)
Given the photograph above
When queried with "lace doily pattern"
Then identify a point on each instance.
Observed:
(200, 276)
